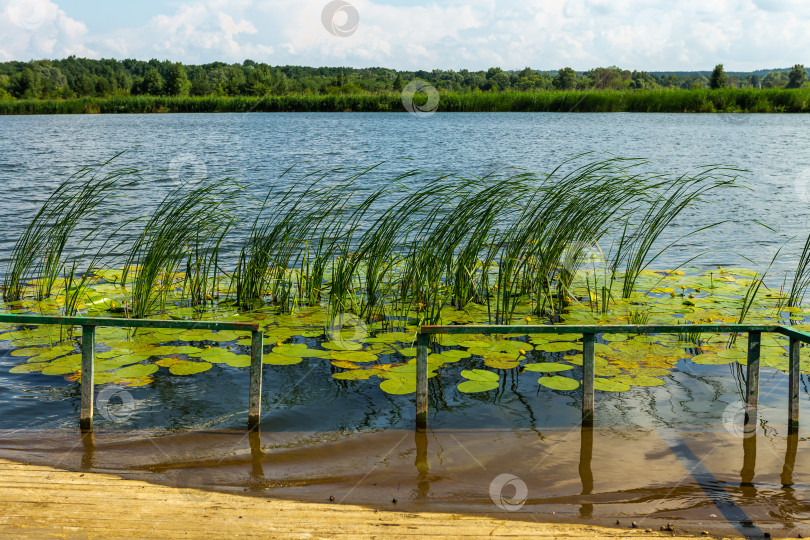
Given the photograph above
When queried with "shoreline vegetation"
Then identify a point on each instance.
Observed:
(84, 86)
(723, 100)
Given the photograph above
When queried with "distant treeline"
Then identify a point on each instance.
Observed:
(73, 77)
(700, 100)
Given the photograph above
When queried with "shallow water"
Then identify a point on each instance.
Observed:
(672, 451)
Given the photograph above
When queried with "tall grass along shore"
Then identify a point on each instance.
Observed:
(661, 101)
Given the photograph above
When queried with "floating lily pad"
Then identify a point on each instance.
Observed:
(190, 368)
(353, 356)
(558, 382)
(480, 375)
(609, 385)
(28, 368)
(709, 359)
(546, 367)
(280, 359)
(357, 375)
(475, 386)
(399, 385)
(138, 370)
(559, 347)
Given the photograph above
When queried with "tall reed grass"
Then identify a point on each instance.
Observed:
(671, 101)
(388, 250)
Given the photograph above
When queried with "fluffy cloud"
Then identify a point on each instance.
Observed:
(651, 34)
(39, 29)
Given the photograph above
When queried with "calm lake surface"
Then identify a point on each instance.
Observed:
(38, 152)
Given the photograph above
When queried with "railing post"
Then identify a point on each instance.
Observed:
(255, 400)
(793, 386)
(422, 341)
(88, 353)
(752, 382)
(587, 378)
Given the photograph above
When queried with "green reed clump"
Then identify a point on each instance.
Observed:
(665, 100)
(190, 221)
(395, 250)
(39, 253)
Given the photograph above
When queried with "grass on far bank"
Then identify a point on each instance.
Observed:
(688, 101)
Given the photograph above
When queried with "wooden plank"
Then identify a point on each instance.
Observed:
(793, 385)
(88, 354)
(256, 366)
(422, 342)
(80, 505)
(752, 382)
(588, 363)
(127, 323)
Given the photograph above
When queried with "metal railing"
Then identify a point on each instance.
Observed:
(589, 337)
(89, 325)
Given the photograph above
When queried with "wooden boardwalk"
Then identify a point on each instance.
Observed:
(43, 502)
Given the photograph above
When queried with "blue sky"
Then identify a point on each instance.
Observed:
(418, 34)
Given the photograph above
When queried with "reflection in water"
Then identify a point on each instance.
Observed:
(89, 454)
(256, 454)
(585, 473)
(422, 468)
(749, 465)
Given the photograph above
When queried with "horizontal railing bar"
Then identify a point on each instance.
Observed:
(127, 323)
(600, 329)
(795, 334)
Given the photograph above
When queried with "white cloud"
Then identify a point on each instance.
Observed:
(636, 34)
(39, 29)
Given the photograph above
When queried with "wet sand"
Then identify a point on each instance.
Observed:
(701, 479)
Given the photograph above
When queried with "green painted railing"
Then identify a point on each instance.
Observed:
(589, 336)
(89, 325)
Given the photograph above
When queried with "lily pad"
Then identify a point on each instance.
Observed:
(399, 385)
(475, 386)
(546, 367)
(190, 368)
(480, 375)
(138, 370)
(558, 382)
(610, 385)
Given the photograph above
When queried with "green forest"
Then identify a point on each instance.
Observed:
(80, 85)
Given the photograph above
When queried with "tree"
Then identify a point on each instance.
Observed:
(797, 76)
(399, 84)
(566, 79)
(719, 79)
(177, 83)
(153, 83)
(199, 84)
(774, 79)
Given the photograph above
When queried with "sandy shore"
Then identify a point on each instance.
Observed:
(43, 502)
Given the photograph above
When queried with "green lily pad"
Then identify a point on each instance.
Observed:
(475, 386)
(399, 385)
(480, 375)
(353, 356)
(274, 359)
(190, 368)
(28, 368)
(138, 370)
(356, 374)
(709, 359)
(609, 385)
(558, 382)
(559, 347)
(546, 367)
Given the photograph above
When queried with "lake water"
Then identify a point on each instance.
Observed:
(329, 422)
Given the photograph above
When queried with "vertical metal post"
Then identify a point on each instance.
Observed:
(88, 350)
(422, 341)
(752, 382)
(255, 400)
(793, 386)
(587, 378)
